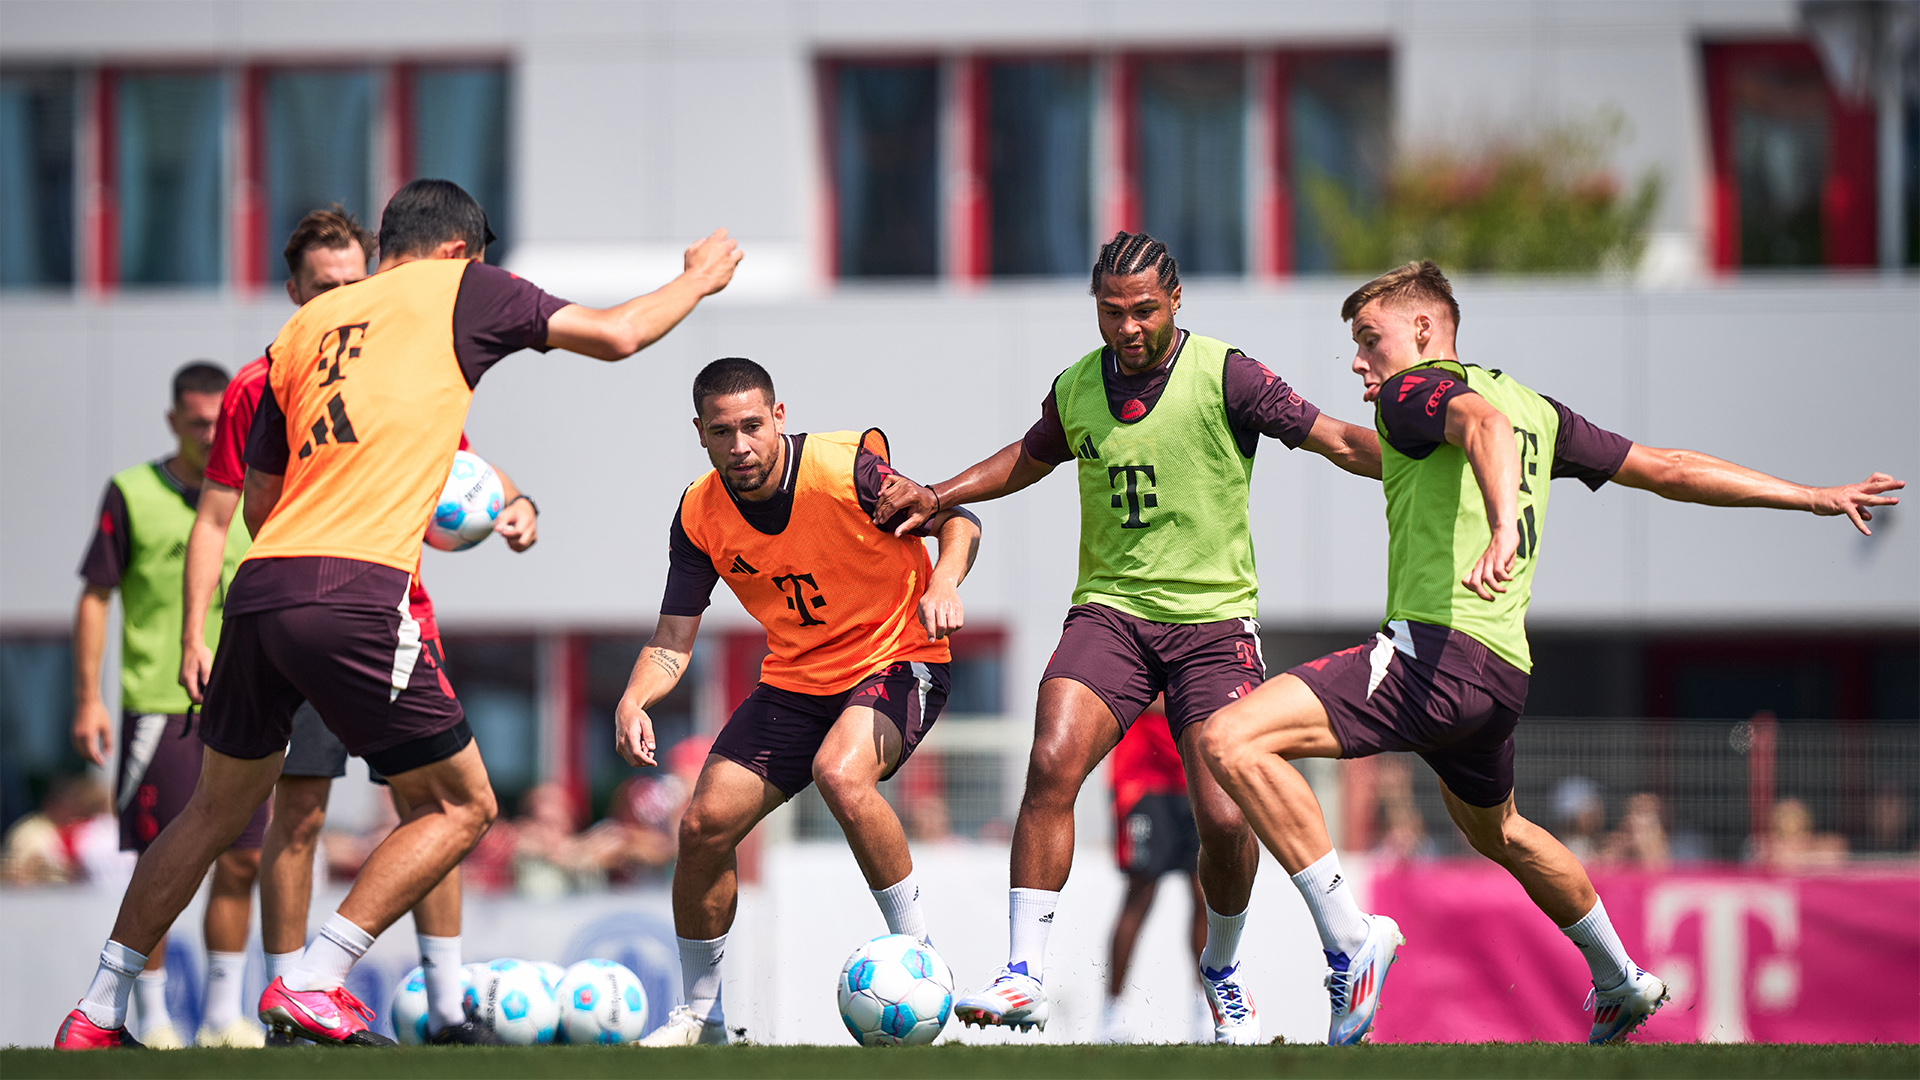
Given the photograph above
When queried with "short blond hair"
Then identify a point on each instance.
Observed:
(1416, 281)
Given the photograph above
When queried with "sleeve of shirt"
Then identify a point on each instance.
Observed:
(870, 475)
(1585, 451)
(224, 464)
(496, 315)
(1262, 402)
(1046, 440)
(690, 574)
(1413, 409)
(267, 438)
(112, 544)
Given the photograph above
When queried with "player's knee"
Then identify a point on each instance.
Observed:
(1054, 775)
(1223, 747)
(240, 867)
(838, 784)
(703, 831)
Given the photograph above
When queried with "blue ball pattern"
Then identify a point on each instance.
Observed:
(897, 1020)
(449, 515)
(633, 999)
(514, 1006)
(583, 998)
(860, 976)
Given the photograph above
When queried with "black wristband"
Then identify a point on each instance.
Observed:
(530, 502)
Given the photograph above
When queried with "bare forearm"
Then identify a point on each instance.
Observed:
(959, 545)
(1690, 476)
(1496, 467)
(1350, 446)
(662, 661)
(89, 641)
(1004, 473)
(627, 328)
(206, 553)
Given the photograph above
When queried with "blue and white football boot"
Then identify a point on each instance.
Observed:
(1235, 1021)
(1013, 999)
(1618, 1011)
(1354, 981)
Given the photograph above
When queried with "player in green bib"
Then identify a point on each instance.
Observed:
(1162, 425)
(1466, 456)
(139, 548)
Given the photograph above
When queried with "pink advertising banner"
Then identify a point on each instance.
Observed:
(1750, 956)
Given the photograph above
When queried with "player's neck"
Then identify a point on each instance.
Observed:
(180, 469)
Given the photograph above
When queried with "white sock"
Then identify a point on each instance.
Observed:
(339, 945)
(1029, 917)
(282, 963)
(1329, 896)
(106, 1000)
(1222, 953)
(440, 963)
(226, 971)
(900, 906)
(150, 997)
(700, 976)
(1601, 947)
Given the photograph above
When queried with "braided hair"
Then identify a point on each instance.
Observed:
(1133, 253)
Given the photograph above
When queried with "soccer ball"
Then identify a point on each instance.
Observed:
(512, 1000)
(601, 1002)
(409, 1009)
(469, 503)
(552, 974)
(895, 991)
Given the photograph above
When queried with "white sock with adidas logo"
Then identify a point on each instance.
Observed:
(1600, 947)
(1029, 918)
(1343, 928)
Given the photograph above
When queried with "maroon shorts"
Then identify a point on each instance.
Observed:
(381, 691)
(1379, 700)
(776, 732)
(1128, 661)
(160, 759)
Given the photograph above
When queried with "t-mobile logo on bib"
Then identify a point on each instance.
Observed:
(1136, 500)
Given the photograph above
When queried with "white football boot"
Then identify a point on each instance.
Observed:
(1013, 999)
(684, 1028)
(1618, 1011)
(161, 1037)
(237, 1032)
(1354, 981)
(1235, 1021)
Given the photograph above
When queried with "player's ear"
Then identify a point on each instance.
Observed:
(779, 418)
(293, 294)
(1175, 298)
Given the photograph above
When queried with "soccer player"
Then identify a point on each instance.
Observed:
(138, 548)
(857, 670)
(327, 249)
(1467, 454)
(1153, 835)
(367, 389)
(1163, 425)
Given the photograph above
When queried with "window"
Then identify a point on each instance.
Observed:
(36, 713)
(36, 178)
(1189, 159)
(317, 140)
(496, 678)
(610, 660)
(168, 171)
(1039, 135)
(1334, 118)
(1793, 163)
(458, 131)
(885, 152)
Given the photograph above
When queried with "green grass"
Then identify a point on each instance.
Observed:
(1426, 1062)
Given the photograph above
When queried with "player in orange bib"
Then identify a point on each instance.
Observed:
(367, 391)
(857, 668)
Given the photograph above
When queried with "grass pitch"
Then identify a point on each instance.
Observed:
(1427, 1062)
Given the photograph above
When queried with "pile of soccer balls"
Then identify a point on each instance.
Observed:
(529, 1003)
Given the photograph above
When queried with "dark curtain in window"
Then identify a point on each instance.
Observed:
(36, 179)
(460, 134)
(1039, 155)
(319, 140)
(1780, 159)
(886, 169)
(1337, 121)
(171, 167)
(1191, 153)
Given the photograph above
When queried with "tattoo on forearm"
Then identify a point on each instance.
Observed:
(664, 662)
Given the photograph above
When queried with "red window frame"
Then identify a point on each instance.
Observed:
(1848, 204)
(1276, 198)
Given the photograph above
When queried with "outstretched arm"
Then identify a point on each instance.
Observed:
(1485, 433)
(1690, 476)
(940, 609)
(618, 332)
(206, 553)
(1350, 446)
(661, 663)
(1002, 474)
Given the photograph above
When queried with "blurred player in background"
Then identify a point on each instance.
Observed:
(368, 387)
(1153, 835)
(139, 547)
(1163, 425)
(857, 671)
(327, 249)
(1466, 454)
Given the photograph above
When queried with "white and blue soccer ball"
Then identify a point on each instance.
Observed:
(409, 1008)
(511, 998)
(894, 991)
(553, 974)
(468, 505)
(601, 1002)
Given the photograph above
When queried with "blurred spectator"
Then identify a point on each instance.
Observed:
(922, 791)
(1582, 814)
(1641, 839)
(1403, 833)
(51, 846)
(549, 858)
(1793, 844)
(1888, 819)
(641, 832)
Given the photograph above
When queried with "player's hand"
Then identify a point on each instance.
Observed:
(940, 611)
(518, 524)
(1495, 566)
(710, 261)
(633, 733)
(898, 493)
(93, 731)
(196, 664)
(1853, 500)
